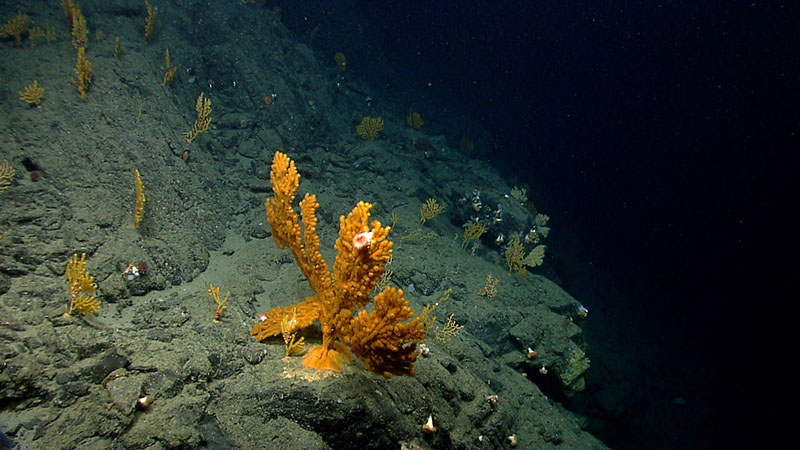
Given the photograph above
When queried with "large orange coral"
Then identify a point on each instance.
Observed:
(385, 339)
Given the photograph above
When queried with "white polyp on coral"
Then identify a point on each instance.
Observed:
(362, 240)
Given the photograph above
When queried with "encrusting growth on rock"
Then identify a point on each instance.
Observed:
(384, 339)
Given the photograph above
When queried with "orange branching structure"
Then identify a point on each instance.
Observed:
(384, 339)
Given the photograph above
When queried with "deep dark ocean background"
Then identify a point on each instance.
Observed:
(659, 137)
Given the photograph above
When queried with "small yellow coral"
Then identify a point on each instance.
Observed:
(203, 108)
(535, 257)
(214, 292)
(50, 34)
(490, 288)
(33, 34)
(450, 330)
(170, 73)
(472, 231)
(430, 209)
(514, 254)
(289, 328)
(517, 260)
(428, 315)
(6, 175)
(81, 287)
(414, 120)
(149, 21)
(79, 37)
(117, 48)
(138, 211)
(370, 128)
(83, 72)
(32, 94)
(15, 27)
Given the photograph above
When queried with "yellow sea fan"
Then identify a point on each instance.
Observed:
(536, 257)
(430, 209)
(81, 287)
(370, 128)
(414, 120)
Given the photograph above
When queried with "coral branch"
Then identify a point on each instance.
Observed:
(382, 338)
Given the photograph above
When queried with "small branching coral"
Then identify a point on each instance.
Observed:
(490, 288)
(50, 34)
(171, 70)
(203, 109)
(83, 73)
(385, 338)
(15, 27)
(81, 287)
(444, 333)
(414, 120)
(214, 292)
(516, 259)
(289, 328)
(519, 194)
(450, 330)
(430, 209)
(149, 21)
(79, 31)
(428, 314)
(472, 231)
(370, 128)
(33, 34)
(32, 94)
(138, 209)
(6, 175)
